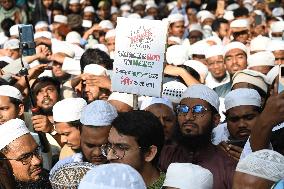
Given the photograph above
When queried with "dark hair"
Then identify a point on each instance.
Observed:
(45, 79)
(242, 11)
(192, 72)
(77, 124)
(216, 23)
(6, 24)
(58, 6)
(144, 126)
(95, 56)
(16, 102)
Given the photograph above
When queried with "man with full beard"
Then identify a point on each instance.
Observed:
(22, 154)
(46, 92)
(197, 116)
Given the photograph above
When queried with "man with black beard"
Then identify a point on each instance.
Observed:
(46, 91)
(197, 116)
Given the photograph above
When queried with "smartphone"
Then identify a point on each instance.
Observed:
(26, 35)
(239, 143)
(281, 79)
(257, 20)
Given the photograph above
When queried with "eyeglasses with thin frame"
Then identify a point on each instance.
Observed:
(26, 158)
(197, 110)
(118, 150)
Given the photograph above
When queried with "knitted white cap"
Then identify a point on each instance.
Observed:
(259, 43)
(73, 37)
(267, 164)
(204, 93)
(89, 9)
(275, 45)
(198, 66)
(214, 50)
(11, 130)
(175, 18)
(188, 175)
(10, 91)
(60, 19)
(68, 109)
(242, 97)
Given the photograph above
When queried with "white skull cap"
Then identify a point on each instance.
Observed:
(176, 55)
(172, 18)
(104, 113)
(259, 43)
(242, 97)
(148, 101)
(73, 37)
(235, 45)
(60, 19)
(10, 91)
(173, 91)
(275, 45)
(267, 164)
(112, 176)
(272, 74)
(198, 66)
(188, 175)
(263, 58)
(11, 130)
(204, 93)
(68, 109)
(95, 69)
(214, 50)
(122, 97)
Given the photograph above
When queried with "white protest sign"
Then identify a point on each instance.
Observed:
(139, 56)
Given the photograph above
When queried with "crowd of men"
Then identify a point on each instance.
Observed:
(218, 124)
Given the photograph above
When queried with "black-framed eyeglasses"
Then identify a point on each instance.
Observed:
(197, 110)
(26, 158)
(118, 150)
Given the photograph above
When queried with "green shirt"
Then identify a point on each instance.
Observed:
(159, 183)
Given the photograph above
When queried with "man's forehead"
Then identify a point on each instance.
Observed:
(22, 145)
(234, 52)
(116, 137)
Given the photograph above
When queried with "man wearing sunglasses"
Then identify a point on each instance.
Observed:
(22, 153)
(197, 115)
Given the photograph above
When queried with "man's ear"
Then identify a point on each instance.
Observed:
(216, 119)
(21, 110)
(151, 153)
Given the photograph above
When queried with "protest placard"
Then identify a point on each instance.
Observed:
(139, 56)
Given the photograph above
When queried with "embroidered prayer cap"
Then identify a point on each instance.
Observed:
(198, 66)
(150, 4)
(240, 24)
(122, 97)
(173, 90)
(259, 43)
(267, 164)
(229, 15)
(263, 58)
(95, 69)
(214, 50)
(206, 15)
(10, 91)
(74, 1)
(11, 130)
(188, 175)
(41, 24)
(14, 30)
(69, 175)
(68, 109)
(277, 26)
(137, 2)
(204, 93)
(46, 34)
(62, 47)
(148, 101)
(250, 76)
(98, 113)
(235, 45)
(176, 55)
(242, 97)
(278, 11)
(112, 176)
(195, 27)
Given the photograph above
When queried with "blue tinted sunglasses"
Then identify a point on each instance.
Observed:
(183, 109)
(278, 185)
